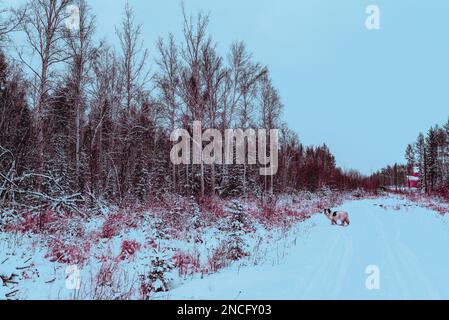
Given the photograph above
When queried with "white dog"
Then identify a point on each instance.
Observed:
(336, 216)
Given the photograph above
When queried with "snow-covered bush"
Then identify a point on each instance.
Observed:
(160, 228)
(8, 217)
(158, 278)
(233, 247)
(238, 225)
(359, 193)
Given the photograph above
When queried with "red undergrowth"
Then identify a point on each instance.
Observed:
(187, 263)
(129, 249)
(73, 254)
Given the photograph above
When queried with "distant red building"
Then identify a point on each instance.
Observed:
(413, 179)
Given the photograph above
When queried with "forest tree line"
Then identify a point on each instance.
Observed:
(82, 120)
(429, 156)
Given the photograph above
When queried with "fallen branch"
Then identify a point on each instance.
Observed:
(23, 268)
(10, 294)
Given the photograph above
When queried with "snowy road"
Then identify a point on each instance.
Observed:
(409, 245)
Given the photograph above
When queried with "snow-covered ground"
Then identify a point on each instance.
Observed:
(392, 240)
(137, 252)
(402, 240)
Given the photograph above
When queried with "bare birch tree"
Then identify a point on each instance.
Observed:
(10, 21)
(134, 57)
(80, 48)
(168, 82)
(43, 25)
(192, 84)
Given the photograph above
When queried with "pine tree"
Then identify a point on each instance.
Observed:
(15, 118)
(446, 155)
(410, 157)
(237, 226)
(16, 138)
(431, 158)
(420, 151)
(441, 140)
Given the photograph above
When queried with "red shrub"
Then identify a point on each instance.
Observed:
(186, 263)
(433, 202)
(444, 193)
(438, 208)
(151, 203)
(109, 229)
(129, 249)
(119, 221)
(214, 206)
(298, 216)
(153, 244)
(269, 210)
(104, 276)
(34, 222)
(270, 215)
(217, 260)
(68, 253)
(224, 254)
(145, 288)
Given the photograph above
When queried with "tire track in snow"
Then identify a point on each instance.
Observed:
(333, 268)
(416, 274)
(398, 281)
(316, 278)
(405, 267)
(344, 264)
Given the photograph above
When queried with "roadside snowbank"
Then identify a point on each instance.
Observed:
(140, 253)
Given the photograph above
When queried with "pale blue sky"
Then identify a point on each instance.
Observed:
(365, 93)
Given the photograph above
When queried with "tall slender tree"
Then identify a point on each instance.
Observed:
(43, 25)
(81, 49)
